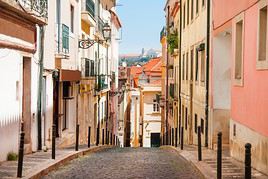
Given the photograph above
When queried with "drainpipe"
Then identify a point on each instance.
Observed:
(179, 117)
(40, 87)
(207, 71)
(167, 104)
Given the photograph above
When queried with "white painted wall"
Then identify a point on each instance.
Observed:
(222, 71)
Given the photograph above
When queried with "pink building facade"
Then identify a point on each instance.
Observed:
(240, 73)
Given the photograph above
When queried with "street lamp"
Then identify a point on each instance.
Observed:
(107, 33)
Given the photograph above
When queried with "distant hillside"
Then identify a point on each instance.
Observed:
(139, 59)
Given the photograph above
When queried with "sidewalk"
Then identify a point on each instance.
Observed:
(231, 168)
(40, 163)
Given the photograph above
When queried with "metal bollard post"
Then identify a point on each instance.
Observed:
(199, 143)
(181, 138)
(111, 140)
(106, 136)
(88, 137)
(102, 136)
(21, 151)
(98, 137)
(77, 138)
(219, 156)
(172, 138)
(248, 161)
(176, 137)
(54, 141)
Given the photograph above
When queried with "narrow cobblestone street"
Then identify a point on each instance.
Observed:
(128, 163)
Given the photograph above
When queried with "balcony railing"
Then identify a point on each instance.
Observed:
(37, 7)
(163, 33)
(88, 67)
(101, 83)
(90, 7)
(62, 39)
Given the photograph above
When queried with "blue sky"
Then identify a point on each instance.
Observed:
(142, 22)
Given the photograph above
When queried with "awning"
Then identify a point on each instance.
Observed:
(70, 75)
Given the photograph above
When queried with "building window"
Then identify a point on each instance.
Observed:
(196, 66)
(156, 107)
(202, 126)
(183, 59)
(192, 9)
(203, 66)
(238, 51)
(197, 7)
(192, 62)
(187, 65)
(203, 3)
(195, 123)
(184, 21)
(262, 59)
(234, 130)
(188, 11)
(72, 19)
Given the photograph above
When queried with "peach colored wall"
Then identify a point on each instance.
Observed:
(249, 103)
(225, 10)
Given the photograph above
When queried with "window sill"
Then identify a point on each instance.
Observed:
(238, 82)
(262, 65)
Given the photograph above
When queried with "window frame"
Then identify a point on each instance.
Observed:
(262, 64)
(238, 19)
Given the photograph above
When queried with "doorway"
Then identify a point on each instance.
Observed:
(155, 139)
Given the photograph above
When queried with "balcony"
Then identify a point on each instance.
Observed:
(88, 68)
(101, 83)
(62, 41)
(163, 33)
(88, 12)
(33, 10)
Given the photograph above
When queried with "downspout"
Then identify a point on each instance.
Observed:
(179, 117)
(207, 71)
(40, 87)
(167, 64)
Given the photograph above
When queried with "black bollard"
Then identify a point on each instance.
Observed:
(199, 143)
(108, 138)
(181, 138)
(114, 140)
(176, 137)
(219, 156)
(102, 136)
(248, 161)
(111, 140)
(20, 160)
(54, 141)
(172, 138)
(77, 138)
(98, 137)
(88, 137)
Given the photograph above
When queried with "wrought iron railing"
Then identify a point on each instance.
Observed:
(36, 7)
(62, 39)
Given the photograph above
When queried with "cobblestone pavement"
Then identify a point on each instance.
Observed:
(130, 163)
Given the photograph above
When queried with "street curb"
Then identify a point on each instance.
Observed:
(188, 160)
(63, 161)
